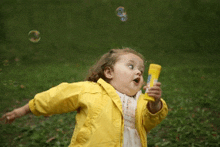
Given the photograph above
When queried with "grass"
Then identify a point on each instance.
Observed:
(182, 36)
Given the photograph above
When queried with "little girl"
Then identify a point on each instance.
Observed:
(111, 111)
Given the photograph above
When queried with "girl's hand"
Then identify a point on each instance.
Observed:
(16, 113)
(156, 93)
(10, 116)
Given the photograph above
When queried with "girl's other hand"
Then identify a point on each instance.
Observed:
(16, 113)
(10, 116)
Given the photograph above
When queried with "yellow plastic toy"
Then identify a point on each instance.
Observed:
(153, 75)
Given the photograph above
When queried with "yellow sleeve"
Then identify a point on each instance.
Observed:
(60, 99)
(152, 120)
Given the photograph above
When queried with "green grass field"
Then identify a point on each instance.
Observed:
(183, 36)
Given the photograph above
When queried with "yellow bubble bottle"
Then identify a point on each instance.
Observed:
(153, 75)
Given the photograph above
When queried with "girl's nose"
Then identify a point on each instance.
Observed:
(138, 72)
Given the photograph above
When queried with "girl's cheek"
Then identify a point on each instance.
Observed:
(142, 80)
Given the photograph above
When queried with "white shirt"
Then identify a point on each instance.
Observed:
(129, 105)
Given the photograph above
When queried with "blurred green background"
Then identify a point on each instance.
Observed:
(181, 35)
(71, 27)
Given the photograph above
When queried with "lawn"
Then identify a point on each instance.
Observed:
(183, 36)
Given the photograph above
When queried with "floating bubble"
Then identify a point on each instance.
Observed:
(34, 36)
(120, 10)
(124, 17)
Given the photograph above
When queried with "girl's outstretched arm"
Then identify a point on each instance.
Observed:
(16, 113)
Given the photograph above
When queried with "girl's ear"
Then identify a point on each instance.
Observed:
(108, 73)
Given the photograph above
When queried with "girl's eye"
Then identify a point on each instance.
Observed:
(131, 66)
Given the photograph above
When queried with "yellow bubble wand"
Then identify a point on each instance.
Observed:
(153, 75)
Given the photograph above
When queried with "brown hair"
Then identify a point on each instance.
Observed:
(108, 60)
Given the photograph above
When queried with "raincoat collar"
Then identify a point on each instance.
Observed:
(112, 93)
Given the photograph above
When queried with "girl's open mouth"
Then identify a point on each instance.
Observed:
(136, 80)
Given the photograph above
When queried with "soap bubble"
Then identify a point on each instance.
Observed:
(34, 36)
(120, 10)
(124, 17)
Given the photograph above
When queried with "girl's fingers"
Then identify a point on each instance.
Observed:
(145, 87)
(155, 92)
(8, 117)
(155, 87)
(156, 96)
(10, 120)
(3, 117)
(157, 84)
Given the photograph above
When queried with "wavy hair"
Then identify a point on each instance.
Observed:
(108, 60)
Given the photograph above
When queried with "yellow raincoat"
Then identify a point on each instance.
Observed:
(99, 119)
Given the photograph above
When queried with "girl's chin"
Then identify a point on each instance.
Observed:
(131, 91)
(132, 94)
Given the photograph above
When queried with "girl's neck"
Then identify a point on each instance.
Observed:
(135, 96)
